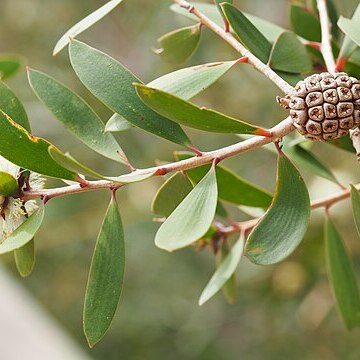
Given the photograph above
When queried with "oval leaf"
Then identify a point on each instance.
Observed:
(248, 34)
(106, 277)
(342, 277)
(232, 188)
(343, 143)
(283, 226)
(348, 46)
(186, 113)
(97, 70)
(192, 218)
(84, 24)
(118, 123)
(309, 161)
(224, 272)
(171, 193)
(11, 106)
(75, 114)
(351, 28)
(9, 65)
(68, 162)
(179, 45)
(305, 24)
(24, 233)
(355, 202)
(187, 83)
(28, 151)
(290, 55)
(229, 290)
(8, 184)
(25, 259)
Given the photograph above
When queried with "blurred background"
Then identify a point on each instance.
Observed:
(282, 312)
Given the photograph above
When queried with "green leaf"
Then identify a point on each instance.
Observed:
(187, 83)
(9, 65)
(25, 259)
(224, 272)
(292, 79)
(251, 211)
(68, 162)
(106, 277)
(24, 233)
(192, 218)
(118, 123)
(171, 193)
(75, 114)
(186, 113)
(333, 16)
(283, 226)
(8, 184)
(342, 277)
(305, 24)
(97, 70)
(289, 54)
(269, 30)
(343, 143)
(28, 151)
(351, 28)
(229, 290)
(221, 211)
(309, 161)
(348, 46)
(218, 2)
(84, 24)
(355, 201)
(11, 105)
(248, 34)
(232, 188)
(179, 45)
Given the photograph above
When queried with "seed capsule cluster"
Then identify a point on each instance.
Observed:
(325, 106)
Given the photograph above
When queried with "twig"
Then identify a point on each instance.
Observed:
(326, 49)
(229, 38)
(317, 204)
(280, 130)
(333, 199)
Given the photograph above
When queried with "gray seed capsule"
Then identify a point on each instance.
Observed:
(325, 106)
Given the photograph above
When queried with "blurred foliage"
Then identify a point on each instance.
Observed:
(282, 312)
